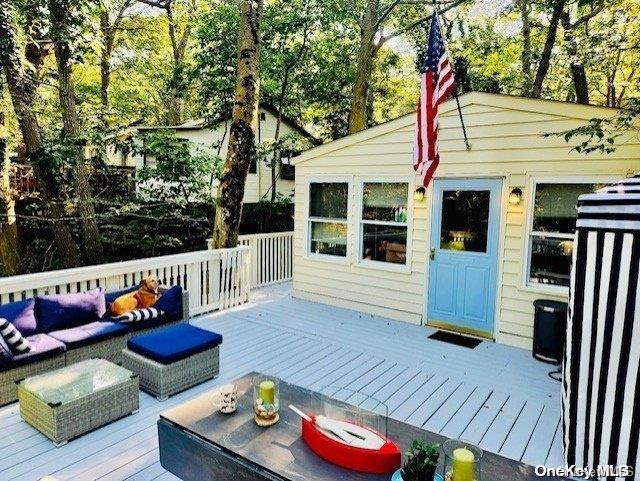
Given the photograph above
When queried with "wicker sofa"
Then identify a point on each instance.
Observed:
(96, 342)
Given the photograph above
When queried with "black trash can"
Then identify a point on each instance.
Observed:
(549, 327)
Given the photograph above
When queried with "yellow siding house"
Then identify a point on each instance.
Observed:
(492, 233)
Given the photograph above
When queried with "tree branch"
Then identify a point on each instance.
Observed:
(585, 18)
(386, 13)
(420, 21)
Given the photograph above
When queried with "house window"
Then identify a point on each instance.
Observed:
(553, 224)
(383, 222)
(328, 206)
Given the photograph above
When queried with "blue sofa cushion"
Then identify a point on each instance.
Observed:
(63, 311)
(174, 343)
(109, 297)
(42, 347)
(22, 315)
(171, 303)
(89, 333)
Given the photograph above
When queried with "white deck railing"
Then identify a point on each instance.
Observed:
(271, 257)
(215, 279)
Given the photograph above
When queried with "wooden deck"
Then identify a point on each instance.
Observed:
(493, 395)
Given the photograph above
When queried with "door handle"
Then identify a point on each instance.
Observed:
(432, 254)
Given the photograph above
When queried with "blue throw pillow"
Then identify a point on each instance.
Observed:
(21, 314)
(171, 303)
(63, 311)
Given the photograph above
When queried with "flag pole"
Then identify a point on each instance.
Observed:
(455, 92)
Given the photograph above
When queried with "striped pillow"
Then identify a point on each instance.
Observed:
(138, 315)
(15, 341)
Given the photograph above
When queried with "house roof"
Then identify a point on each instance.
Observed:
(511, 102)
(202, 123)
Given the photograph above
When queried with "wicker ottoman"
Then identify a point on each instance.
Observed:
(173, 359)
(76, 399)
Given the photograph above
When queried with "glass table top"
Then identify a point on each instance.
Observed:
(75, 381)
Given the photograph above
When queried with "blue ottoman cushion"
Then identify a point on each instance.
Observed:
(174, 343)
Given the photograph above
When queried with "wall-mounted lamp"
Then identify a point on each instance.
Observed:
(419, 194)
(515, 197)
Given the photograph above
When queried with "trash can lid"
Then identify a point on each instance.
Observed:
(548, 305)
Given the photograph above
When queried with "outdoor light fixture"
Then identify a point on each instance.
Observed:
(515, 197)
(419, 193)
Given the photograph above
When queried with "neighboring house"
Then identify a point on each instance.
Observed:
(214, 140)
(492, 233)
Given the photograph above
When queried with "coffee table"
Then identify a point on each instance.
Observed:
(78, 398)
(197, 442)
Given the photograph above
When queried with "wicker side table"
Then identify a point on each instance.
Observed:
(164, 380)
(71, 401)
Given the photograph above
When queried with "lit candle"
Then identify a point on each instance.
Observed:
(464, 465)
(267, 392)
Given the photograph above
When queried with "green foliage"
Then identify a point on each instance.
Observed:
(600, 134)
(267, 216)
(307, 57)
(421, 462)
(179, 172)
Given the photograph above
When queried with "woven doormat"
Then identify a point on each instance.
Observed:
(456, 339)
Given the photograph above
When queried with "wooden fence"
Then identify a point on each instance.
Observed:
(215, 279)
(271, 257)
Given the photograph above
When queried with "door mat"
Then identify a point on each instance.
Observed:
(457, 339)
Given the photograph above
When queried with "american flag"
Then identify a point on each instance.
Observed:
(436, 84)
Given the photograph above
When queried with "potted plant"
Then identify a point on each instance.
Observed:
(421, 462)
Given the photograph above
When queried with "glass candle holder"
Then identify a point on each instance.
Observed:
(266, 399)
(462, 461)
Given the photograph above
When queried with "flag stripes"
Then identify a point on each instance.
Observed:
(437, 82)
(601, 385)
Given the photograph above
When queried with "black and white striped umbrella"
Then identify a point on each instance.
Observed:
(601, 385)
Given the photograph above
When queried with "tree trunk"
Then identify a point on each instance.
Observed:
(365, 61)
(61, 11)
(276, 161)
(105, 60)
(525, 12)
(8, 226)
(241, 148)
(359, 102)
(545, 57)
(578, 72)
(22, 97)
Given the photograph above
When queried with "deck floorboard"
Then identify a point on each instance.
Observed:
(493, 395)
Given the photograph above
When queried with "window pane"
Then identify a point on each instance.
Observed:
(465, 220)
(329, 200)
(555, 206)
(384, 243)
(550, 261)
(329, 238)
(385, 201)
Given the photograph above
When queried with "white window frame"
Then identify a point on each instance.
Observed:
(389, 266)
(309, 219)
(530, 233)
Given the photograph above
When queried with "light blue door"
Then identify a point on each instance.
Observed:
(463, 261)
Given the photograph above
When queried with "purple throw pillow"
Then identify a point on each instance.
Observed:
(21, 314)
(63, 311)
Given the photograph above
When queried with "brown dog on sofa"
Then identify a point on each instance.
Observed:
(146, 296)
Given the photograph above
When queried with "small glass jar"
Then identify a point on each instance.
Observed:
(266, 399)
(462, 461)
